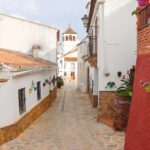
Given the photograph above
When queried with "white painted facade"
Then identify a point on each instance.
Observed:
(83, 76)
(9, 103)
(69, 42)
(116, 42)
(20, 35)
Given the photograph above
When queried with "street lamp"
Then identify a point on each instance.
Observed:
(85, 20)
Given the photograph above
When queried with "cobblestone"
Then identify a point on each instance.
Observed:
(70, 124)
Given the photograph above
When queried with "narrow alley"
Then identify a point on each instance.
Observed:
(70, 124)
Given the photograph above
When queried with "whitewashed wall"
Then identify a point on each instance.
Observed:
(120, 41)
(9, 103)
(20, 35)
(82, 73)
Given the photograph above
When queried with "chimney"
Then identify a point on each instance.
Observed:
(35, 51)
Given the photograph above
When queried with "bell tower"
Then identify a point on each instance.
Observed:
(70, 40)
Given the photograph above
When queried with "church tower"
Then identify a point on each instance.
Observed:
(70, 40)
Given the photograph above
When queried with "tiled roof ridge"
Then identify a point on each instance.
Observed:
(29, 21)
(24, 61)
(69, 31)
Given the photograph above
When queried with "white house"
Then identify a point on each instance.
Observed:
(21, 35)
(24, 76)
(28, 69)
(112, 44)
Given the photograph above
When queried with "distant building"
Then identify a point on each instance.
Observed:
(70, 65)
(67, 58)
(70, 40)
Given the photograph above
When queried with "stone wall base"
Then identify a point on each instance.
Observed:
(114, 110)
(106, 104)
(10, 132)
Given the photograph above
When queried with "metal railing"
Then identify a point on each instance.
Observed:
(144, 17)
(92, 46)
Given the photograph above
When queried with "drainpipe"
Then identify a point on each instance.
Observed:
(101, 42)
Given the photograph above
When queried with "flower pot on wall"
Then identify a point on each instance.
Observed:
(142, 3)
(147, 89)
(122, 108)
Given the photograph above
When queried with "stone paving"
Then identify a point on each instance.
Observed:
(70, 124)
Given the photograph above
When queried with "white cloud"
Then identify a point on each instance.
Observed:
(29, 7)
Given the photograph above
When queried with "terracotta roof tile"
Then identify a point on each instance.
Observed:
(3, 80)
(69, 31)
(21, 61)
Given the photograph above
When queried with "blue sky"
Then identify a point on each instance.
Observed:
(57, 13)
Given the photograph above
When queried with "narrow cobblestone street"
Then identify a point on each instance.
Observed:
(70, 124)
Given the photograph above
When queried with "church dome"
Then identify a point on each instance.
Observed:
(69, 31)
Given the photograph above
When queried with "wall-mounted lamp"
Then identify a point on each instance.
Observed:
(85, 20)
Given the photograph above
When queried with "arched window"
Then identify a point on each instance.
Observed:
(66, 38)
(70, 37)
(74, 38)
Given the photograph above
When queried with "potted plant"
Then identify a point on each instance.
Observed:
(123, 100)
(111, 85)
(54, 80)
(119, 73)
(60, 82)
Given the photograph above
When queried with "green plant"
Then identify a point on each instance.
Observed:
(60, 82)
(111, 85)
(126, 88)
(147, 88)
(134, 12)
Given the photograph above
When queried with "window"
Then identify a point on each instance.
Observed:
(38, 90)
(70, 37)
(74, 38)
(22, 101)
(66, 38)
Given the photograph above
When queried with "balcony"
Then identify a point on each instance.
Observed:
(92, 51)
(144, 17)
(92, 46)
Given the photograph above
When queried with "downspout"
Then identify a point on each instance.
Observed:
(101, 46)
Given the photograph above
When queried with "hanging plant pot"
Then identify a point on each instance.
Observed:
(119, 73)
(147, 89)
(46, 81)
(32, 85)
(30, 90)
(35, 88)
